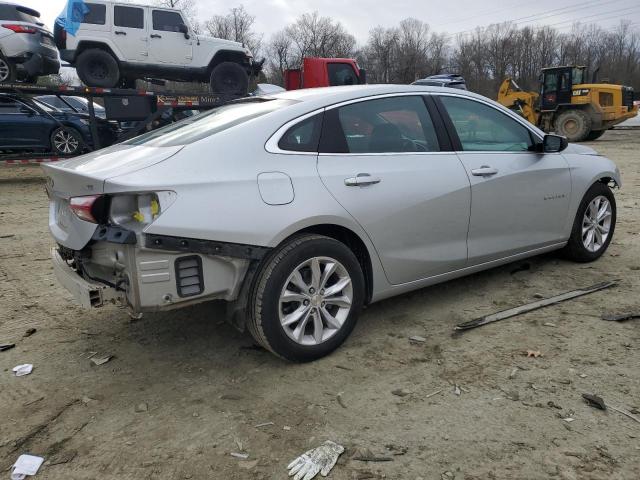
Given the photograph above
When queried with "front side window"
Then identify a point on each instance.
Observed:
(341, 74)
(94, 14)
(385, 125)
(207, 124)
(128, 17)
(483, 128)
(304, 136)
(167, 21)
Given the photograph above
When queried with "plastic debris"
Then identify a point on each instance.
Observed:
(417, 339)
(99, 360)
(366, 455)
(340, 400)
(317, 460)
(21, 370)
(242, 456)
(265, 424)
(7, 346)
(456, 389)
(29, 332)
(594, 401)
(25, 465)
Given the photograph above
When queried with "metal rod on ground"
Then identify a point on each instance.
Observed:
(529, 307)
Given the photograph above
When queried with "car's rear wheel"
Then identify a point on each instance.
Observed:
(306, 298)
(594, 224)
(98, 68)
(7, 70)
(229, 78)
(66, 141)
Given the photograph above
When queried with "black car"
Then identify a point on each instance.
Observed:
(450, 80)
(27, 124)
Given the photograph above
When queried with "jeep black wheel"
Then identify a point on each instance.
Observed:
(230, 79)
(98, 68)
(7, 70)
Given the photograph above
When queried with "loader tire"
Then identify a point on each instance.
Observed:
(573, 124)
(595, 134)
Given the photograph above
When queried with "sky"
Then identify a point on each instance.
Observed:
(449, 16)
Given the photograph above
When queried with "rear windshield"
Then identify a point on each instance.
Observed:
(17, 14)
(201, 126)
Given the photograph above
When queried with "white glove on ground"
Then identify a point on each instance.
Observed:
(317, 460)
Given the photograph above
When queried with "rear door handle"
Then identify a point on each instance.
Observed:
(120, 32)
(155, 35)
(484, 171)
(360, 180)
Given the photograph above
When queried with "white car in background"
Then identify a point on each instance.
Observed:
(300, 207)
(116, 44)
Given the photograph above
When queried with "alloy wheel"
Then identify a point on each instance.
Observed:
(596, 223)
(5, 71)
(65, 142)
(315, 301)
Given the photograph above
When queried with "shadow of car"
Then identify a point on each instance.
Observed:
(27, 124)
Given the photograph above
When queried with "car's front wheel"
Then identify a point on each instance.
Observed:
(229, 78)
(66, 141)
(306, 298)
(594, 224)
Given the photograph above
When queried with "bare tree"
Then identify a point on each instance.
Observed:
(237, 25)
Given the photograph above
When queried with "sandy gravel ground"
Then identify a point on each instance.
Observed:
(184, 390)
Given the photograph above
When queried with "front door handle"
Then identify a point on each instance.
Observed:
(484, 171)
(120, 32)
(360, 180)
(155, 35)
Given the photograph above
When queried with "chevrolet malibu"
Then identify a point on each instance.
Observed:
(300, 207)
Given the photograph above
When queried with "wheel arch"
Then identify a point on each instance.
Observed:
(88, 44)
(235, 56)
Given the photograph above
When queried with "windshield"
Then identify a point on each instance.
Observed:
(17, 13)
(578, 76)
(201, 126)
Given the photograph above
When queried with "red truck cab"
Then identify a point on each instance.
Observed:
(324, 72)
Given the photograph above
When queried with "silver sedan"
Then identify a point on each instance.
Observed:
(298, 208)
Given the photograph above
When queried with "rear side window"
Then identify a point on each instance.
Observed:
(95, 14)
(385, 125)
(128, 17)
(207, 124)
(304, 136)
(167, 21)
(483, 128)
(8, 105)
(18, 14)
(341, 74)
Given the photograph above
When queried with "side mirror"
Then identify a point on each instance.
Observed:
(184, 30)
(554, 143)
(363, 76)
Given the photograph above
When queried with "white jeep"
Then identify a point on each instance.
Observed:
(116, 43)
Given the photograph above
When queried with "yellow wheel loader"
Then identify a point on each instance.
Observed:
(568, 105)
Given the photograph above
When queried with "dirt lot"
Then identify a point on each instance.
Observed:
(184, 390)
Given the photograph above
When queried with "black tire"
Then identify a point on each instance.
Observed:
(229, 78)
(74, 146)
(574, 124)
(575, 249)
(594, 134)
(264, 303)
(98, 68)
(7, 70)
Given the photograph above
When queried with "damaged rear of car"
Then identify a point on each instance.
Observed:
(105, 253)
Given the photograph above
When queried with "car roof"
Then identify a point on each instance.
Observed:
(329, 95)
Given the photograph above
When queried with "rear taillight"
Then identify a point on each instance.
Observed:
(20, 28)
(90, 208)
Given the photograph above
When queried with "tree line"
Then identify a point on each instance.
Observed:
(412, 50)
